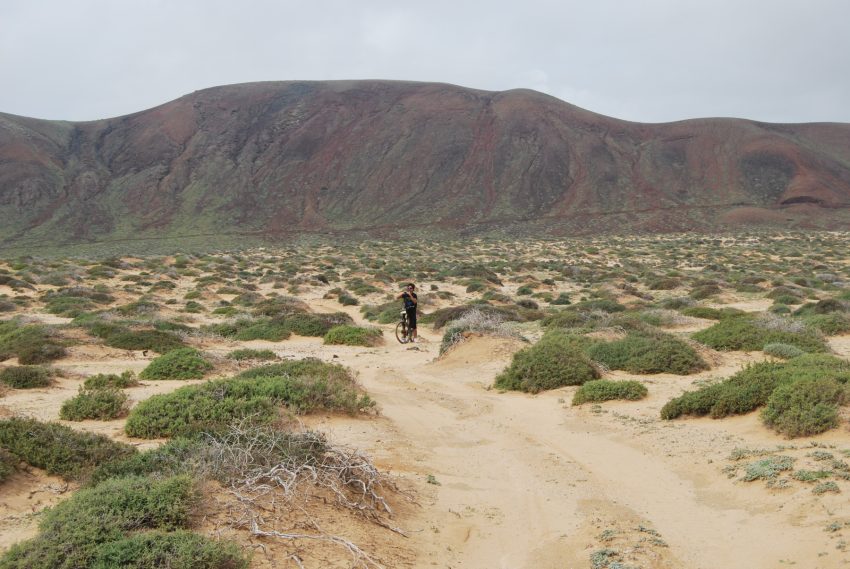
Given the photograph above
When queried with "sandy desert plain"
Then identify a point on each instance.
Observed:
(466, 449)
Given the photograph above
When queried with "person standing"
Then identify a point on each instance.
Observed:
(410, 303)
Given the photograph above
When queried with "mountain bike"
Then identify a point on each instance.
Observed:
(403, 333)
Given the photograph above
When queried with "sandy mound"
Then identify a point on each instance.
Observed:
(478, 349)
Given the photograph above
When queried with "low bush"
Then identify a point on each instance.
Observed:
(251, 354)
(176, 456)
(562, 299)
(184, 363)
(605, 390)
(705, 291)
(805, 407)
(7, 465)
(245, 329)
(301, 386)
(25, 377)
(648, 352)
(118, 336)
(102, 404)
(711, 313)
(316, 325)
(750, 334)
(386, 313)
(111, 380)
(554, 361)
(830, 324)
(348, 300)
(31, 344)
(565, 319)
(58, 449)
(105, 526)
(602, 304)
(346, 335)
(784, 351)
(786, 299)
(825, 306)
(666, 283)
(157, 549)
(751, 387)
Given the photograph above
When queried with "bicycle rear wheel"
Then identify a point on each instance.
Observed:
(401, 332)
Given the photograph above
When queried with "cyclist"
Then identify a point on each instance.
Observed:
(410, 302)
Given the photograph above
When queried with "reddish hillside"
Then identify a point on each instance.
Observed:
(377, 157)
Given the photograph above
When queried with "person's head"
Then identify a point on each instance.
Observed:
(411, 287)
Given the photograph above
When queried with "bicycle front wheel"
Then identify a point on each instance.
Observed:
(401, 332)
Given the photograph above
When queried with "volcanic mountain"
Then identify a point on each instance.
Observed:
(278, 159)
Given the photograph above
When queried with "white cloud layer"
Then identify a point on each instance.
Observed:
(640, 60)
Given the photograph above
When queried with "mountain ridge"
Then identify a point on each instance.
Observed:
(274, 159)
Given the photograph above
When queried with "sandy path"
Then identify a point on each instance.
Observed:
(528, 481)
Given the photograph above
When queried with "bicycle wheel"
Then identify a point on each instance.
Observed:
(401, 332)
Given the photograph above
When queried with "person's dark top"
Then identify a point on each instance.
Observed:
(408, 300)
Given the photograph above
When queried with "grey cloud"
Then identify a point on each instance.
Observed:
(649, 60)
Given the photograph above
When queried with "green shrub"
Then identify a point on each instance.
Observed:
(118, 336)
(711, 313)
(100, 527)
(353, 336)
(605, 390)
(767, 468)
(58, 449)
(7, 465)
(554, 361)
(157, 549)
(667, 283)
(140, 307)
(245, 329)
(642, 352)
(316, 324)
(823, 487)
(602, 304)
(184, 363)
(562, 299)
(677, 303)
(564, 319)
(251, 354)
(805, 407)
(705, 291)
(784, 351)
(825, 306)
(31, 344)
(348, 300)
(751, 387)
(387, 313)
(786, 299)
(111, 380)
(102, 404)
(176, 456)
(301, 386)
(745, 334)
(25, 377)
(830, 324)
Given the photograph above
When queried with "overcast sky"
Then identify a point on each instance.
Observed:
(640, 60)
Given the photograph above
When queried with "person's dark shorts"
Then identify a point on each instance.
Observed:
(411, 318)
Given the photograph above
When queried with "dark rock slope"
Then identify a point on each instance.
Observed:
(376, 157)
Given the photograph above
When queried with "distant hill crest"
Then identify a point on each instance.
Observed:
(278, 159)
